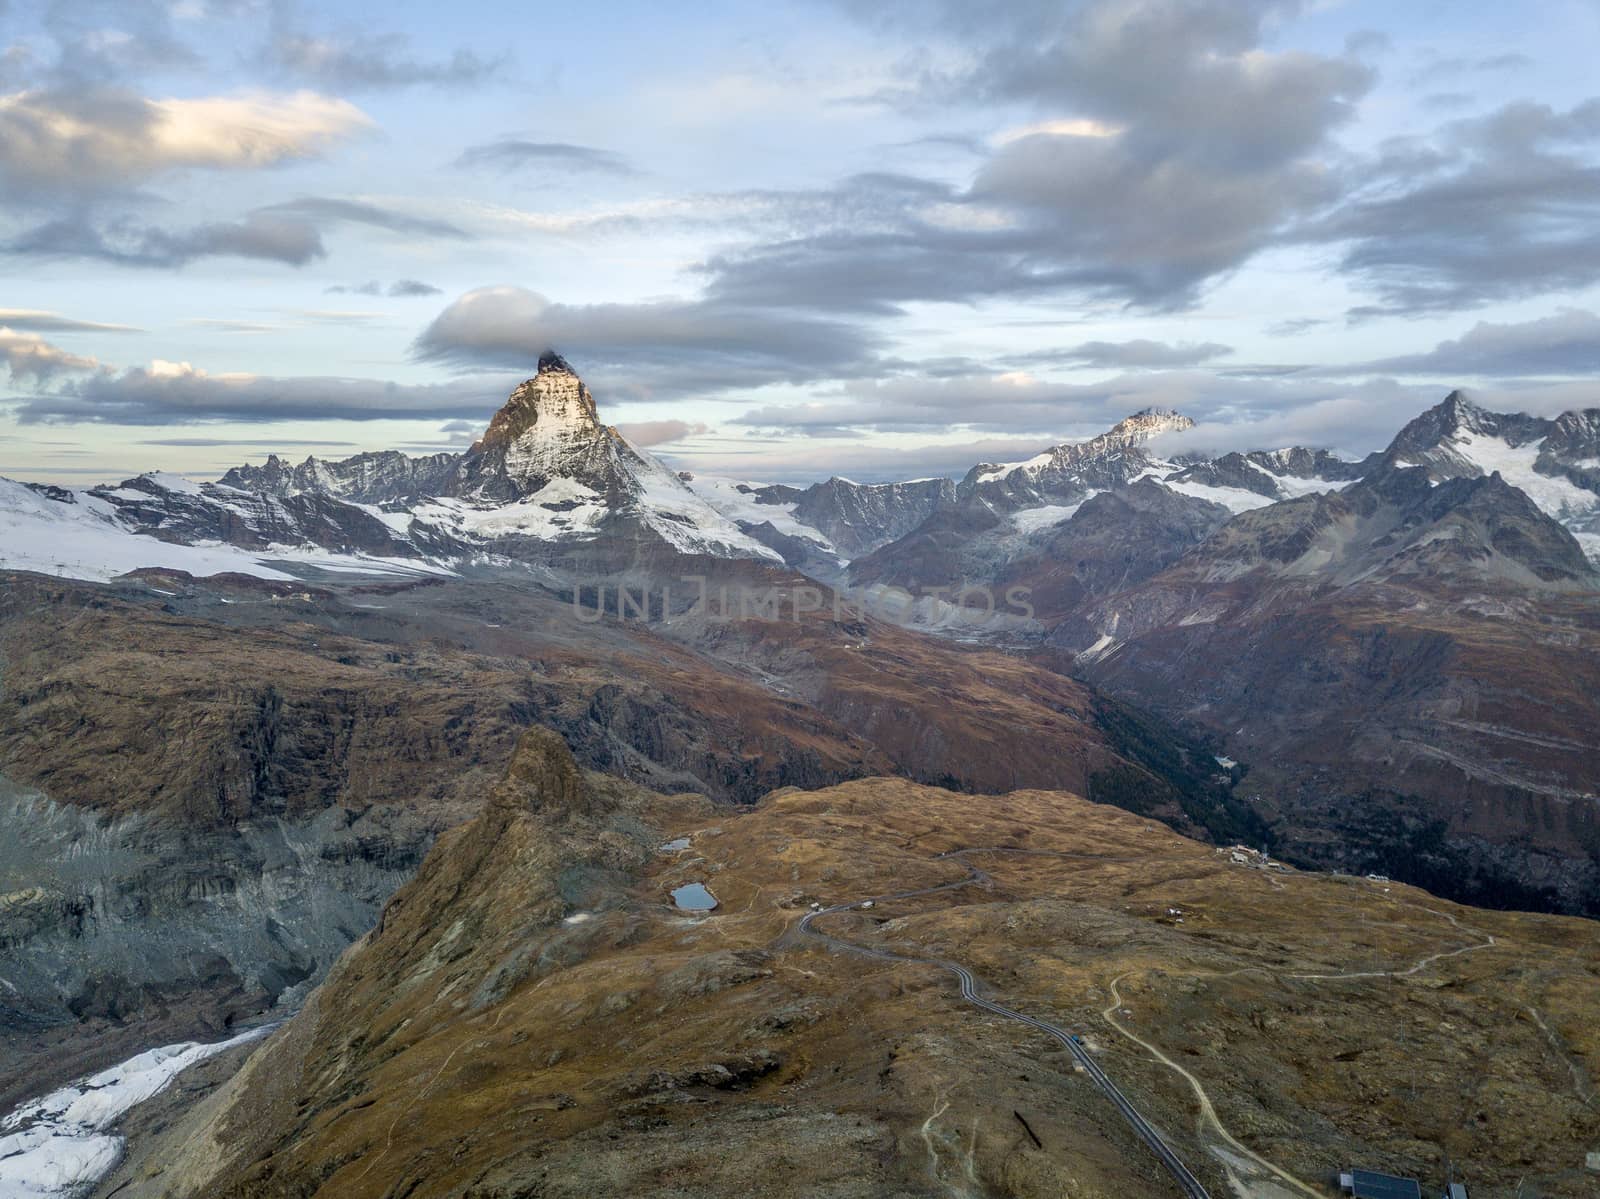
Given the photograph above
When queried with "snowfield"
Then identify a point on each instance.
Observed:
(85, 539)
(61, 1144)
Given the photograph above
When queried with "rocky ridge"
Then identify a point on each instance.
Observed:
(531, 1016)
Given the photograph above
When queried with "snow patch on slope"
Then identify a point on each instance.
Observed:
(1234, 499)
(1555, 495)
(1031, 520)
(60, 1145)
(688, 522)
(724, 495)
(85, 539)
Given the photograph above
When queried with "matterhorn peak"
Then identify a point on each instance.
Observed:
(553, 405)
(552, 361)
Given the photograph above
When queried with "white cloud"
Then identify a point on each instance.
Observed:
(57, 140)
(1070, 127)
(27, 355)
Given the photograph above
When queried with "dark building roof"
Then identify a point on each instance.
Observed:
(1369, 1185)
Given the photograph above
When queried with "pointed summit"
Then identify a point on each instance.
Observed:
(1427, 438)
(554, 404)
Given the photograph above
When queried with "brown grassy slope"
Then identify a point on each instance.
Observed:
(268, 707)
(476, 1044)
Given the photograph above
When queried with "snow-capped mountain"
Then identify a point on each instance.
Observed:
(1556, 462)
(838, 517)
(547, 484)
(1073, 470)
(1270, 474)
(384, 476)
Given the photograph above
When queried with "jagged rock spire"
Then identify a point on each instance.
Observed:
(554, 401)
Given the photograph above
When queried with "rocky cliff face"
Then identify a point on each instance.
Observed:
(1115, 540)
(171, 509)
(1556, 463)
(383, 477)
(550, 430)
(858, 517)
(1373, 655)
(1275, 474)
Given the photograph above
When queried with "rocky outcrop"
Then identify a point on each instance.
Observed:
(169, 509)
(382, 477)
(858, 517)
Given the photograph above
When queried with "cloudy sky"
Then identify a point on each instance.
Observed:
(882, 238)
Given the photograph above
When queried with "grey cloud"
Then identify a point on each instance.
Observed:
(1353, 420)
(365, 59)
(1490, 208)
(182, 394)
(510, 153)
(792, 461)
(983, 401)
(1196, 148)
(1236, 413)
(399, 288)
(1368, 43)
(646, 350)
(126, 243)
(226, 325)
(1140, 352)
(81, 141)
(336, 316)
(34, 321)
(1452, 67)
(289, 232)
(1565, 343)
(250, 441)
(1294, 325)
(1265, 414)
(327, 210)
(29, 356)
(96, 40)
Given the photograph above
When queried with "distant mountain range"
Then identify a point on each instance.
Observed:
(546, 485)
(1403, 651)
(549, 486)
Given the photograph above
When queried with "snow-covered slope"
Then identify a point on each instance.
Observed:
(746, 503)
(1556, 463)
(61, 1144)
(547, 483)
(1074, 470)
(87, 535)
